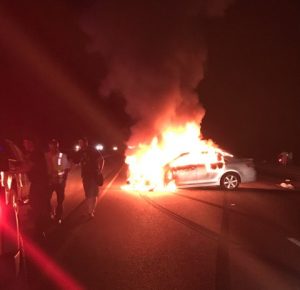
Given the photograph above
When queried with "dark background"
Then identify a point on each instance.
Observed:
(250, 90)
(252, 86)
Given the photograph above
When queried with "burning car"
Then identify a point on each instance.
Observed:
(194, 169)
(182, 158)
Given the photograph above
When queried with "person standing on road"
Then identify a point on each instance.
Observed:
(58, 168)
(92, 163)
(36, 169)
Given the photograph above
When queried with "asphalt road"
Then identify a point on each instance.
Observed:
(193, 239)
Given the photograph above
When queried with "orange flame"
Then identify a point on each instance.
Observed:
(146, 162)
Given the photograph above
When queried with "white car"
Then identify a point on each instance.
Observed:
(195, 170)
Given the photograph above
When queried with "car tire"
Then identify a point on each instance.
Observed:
(230, 181)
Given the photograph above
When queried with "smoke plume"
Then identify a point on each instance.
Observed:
(155, 56)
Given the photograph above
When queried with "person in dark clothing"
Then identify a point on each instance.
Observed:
(92, 163)
(36, 169)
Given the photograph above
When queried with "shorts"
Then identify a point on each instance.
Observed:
(90, 186)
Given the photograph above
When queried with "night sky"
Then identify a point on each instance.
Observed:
(250, 88)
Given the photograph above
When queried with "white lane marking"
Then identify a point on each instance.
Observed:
(294, 241)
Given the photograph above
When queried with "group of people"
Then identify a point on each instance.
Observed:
(48, 173)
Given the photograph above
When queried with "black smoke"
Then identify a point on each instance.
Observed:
(155, 55)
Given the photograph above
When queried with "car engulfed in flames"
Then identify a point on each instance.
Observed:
(181, 158)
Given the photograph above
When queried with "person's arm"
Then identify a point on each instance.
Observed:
(36, 161)
(66, 166)
(101, 162)
(26, 166)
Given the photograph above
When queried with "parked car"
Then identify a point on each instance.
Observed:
(195, 170)
(12, 266)
(16, 182)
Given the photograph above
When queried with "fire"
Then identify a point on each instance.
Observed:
(147, 162)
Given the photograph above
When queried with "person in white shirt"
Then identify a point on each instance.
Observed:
(58, 168)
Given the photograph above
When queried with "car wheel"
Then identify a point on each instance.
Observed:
(230, 181)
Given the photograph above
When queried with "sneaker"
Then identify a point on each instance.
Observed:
(58, 219)
(91, 215)
(52, 215)
(26, 200)
(43, 236)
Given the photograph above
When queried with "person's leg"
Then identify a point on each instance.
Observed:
(91, 193)
(34, 214)
(51, 209)
(45, 206)
(60, 191)
(40, 207)
(94, 197)
(92, 203)
(34, 203)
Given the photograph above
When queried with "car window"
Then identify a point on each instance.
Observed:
(194, 158)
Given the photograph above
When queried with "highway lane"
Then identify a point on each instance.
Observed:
(193, 239)
(255, 225)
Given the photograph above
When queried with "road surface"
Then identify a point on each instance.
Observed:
(193, 239)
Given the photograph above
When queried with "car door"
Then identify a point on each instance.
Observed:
(209, 168)
(184, 169)
(201, 173)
